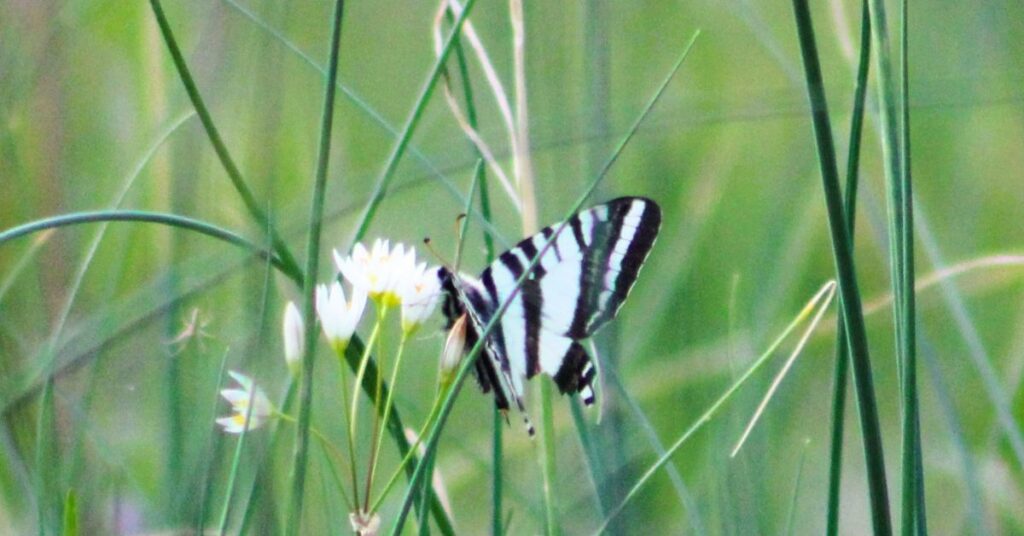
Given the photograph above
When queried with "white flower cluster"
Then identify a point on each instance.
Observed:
(388, 276)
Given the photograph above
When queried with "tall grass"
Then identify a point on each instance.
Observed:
(107, 383)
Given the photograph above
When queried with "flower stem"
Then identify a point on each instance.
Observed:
(328, 447)
(353, 422)
(375, 457)
(340, 351)
(412, 449)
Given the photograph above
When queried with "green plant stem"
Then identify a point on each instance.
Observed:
(251, 204)
(374, 458)
(913, 504)
(480, 183)
(171, 220)
(329, 448)
(212, 443)
(471, 356)
(791, 516)
(842, 341)
(426, 493)
(264, 468)
(378, 414)
(309, 288)
(236, 462)
(842, 250)
(340, 352)
(361, 372)
(410, 125)
(548, 462)
(410, 454)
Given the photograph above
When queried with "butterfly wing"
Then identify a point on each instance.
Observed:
(577, 286)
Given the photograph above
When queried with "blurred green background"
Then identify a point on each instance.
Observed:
(88, 95)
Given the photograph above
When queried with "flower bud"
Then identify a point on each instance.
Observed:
(294, 337)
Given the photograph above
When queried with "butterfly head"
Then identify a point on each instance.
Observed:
(451, 306)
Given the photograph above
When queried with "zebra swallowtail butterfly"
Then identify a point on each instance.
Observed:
(578, 285)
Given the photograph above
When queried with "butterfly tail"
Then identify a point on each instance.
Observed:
(576, 375)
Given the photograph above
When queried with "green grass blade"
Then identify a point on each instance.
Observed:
(402, 143)
(973, 494)
(265, 468)
(548, 463)
(913, 513)
(705, 417)
(480, 183)
(316, 214)
(236, 462)
(211, 443)
(171, 220)
(70, 527)
(842, 341)
(47, 467)
(234, 174)
(361, 104)
(686, 498)
(794, 501)
(842, 250)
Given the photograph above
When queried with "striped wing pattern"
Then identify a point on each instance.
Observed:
(578, 285)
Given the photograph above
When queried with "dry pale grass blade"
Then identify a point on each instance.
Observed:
(497, 89)
(829, 291)
(521, 144)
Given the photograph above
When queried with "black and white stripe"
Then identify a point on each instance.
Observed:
(578, 285)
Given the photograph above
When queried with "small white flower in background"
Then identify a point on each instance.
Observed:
(379, 271)
(293, 333)
(239, 399)
(338, 316)
(420, 292)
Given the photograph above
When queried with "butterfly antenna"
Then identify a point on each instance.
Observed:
(427, 243)
(460, 228)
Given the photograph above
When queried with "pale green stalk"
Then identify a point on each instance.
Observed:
(329, 448)
(412, 449)
(375, 457)
(353, 421)
(340, 352)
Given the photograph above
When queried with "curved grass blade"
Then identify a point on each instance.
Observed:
(234, 174)
(171, 220)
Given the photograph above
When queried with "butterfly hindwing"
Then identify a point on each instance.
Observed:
(578, 285)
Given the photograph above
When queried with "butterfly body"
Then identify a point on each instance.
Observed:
(584, 270)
